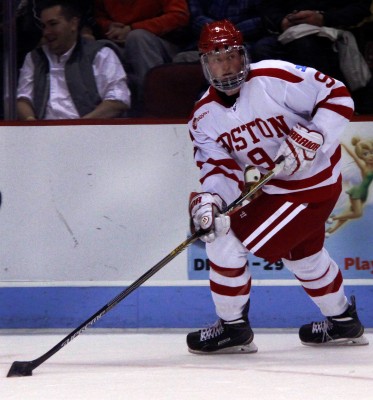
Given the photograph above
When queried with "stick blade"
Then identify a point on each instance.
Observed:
(20, 368)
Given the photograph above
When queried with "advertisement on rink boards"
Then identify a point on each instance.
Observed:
(348, 231)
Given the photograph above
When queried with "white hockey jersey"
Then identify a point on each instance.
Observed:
(276, 96)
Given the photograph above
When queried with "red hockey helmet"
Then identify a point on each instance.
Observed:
(219, 34)
(223, 39)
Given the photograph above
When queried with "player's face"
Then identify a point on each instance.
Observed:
(59, 34)
(225, 64)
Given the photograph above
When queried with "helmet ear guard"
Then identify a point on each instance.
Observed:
(219, 38)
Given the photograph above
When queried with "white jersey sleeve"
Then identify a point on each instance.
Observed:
(220, 172)
(325, 100)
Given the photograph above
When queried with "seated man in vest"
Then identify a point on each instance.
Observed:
(68, 76)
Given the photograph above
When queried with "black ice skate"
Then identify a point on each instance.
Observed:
(223, 337)
(344, 329)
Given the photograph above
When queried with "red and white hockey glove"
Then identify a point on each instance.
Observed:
(299, 149)
(205, 211)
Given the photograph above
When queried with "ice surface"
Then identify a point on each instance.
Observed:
(157, 366)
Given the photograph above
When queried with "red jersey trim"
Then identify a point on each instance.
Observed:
(313, 180)
(275, 73)
(217, 171)
(342, 110)
(211, 96)
(228, 163)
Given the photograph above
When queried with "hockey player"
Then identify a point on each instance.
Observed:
(251, 115)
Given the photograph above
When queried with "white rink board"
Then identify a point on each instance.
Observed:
(93, 203)
(97, 203)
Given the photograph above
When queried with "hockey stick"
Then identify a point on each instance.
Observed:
(25, 368)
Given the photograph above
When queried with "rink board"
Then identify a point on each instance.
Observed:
(159, 307)
(87, 209)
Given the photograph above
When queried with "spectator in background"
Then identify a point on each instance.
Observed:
(29, 31)
(245, 14)
(150, 32)
(69, 76)
(310, 50)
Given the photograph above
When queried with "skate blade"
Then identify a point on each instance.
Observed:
(359, 341)
(242, 349)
